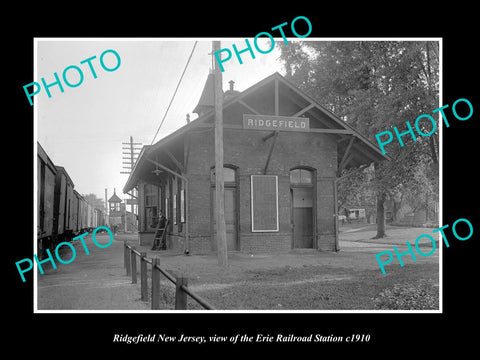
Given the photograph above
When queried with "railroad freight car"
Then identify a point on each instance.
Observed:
(74, 212)
(90, 214)
(99, 218)
(63, 204)
(86, 217)
(79, 209)
(46, 174)
(62, 212)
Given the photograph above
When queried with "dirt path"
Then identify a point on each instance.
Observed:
(91, 282)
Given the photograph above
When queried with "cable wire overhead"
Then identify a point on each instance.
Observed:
(175, 92)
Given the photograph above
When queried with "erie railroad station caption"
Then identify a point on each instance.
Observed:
(258, 338)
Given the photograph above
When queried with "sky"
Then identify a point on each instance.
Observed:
(83, 128)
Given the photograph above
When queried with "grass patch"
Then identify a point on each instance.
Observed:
(327, 288)
(422, 295)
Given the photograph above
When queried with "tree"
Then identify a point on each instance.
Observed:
(94, 201)
(351, 188)
(374, 86)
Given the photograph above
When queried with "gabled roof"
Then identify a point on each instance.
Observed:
(353, 148)
(114, 198)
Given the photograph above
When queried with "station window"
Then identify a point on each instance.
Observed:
(300, 177)
(228, 175)
(151, 206)
(151, 195)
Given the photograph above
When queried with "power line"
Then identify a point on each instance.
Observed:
(175, 92)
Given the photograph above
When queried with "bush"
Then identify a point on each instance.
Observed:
(420, 296)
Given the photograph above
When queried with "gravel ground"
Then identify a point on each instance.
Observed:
(91, 282)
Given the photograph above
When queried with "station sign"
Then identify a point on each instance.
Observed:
(271, 122)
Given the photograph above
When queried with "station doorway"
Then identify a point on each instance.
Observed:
(303, 205)
(231, 209)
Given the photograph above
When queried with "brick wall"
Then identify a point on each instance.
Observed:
(248, 152)
(265, 242)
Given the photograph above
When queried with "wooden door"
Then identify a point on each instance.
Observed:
(302, 217)
(230, 218)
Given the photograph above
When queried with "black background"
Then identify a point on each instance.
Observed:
(405, 334)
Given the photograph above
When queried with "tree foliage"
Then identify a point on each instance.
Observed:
(94, 201)
(374, 86)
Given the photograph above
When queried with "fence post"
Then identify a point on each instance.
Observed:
(127, 258)
(143, 276)
(134, 265)
(155, 284)
(180, 295)
(125, 253)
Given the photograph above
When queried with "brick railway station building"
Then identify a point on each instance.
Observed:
(282, 155)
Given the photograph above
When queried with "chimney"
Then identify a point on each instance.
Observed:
(188, 118)
(231, 93)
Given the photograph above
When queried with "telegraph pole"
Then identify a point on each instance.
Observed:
(107, 219)
(219, 181)
(132, 153)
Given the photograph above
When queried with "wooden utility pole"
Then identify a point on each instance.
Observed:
(131, 150)
(107, 222)
(219, 181)
(132, 153)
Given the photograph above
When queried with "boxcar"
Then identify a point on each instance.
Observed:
(46, 173)
(79, 208)
(90, 217)
(99, 218)
(85, 217)
(81, 214)
(62, 212)
(74, 212)
(63, 203)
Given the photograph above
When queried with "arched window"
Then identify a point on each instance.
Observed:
(301, 177)
(228, 175)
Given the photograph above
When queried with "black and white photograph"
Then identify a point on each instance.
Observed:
(267, 187)
(314, 214)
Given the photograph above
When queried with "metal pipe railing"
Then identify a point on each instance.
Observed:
(181, 283)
